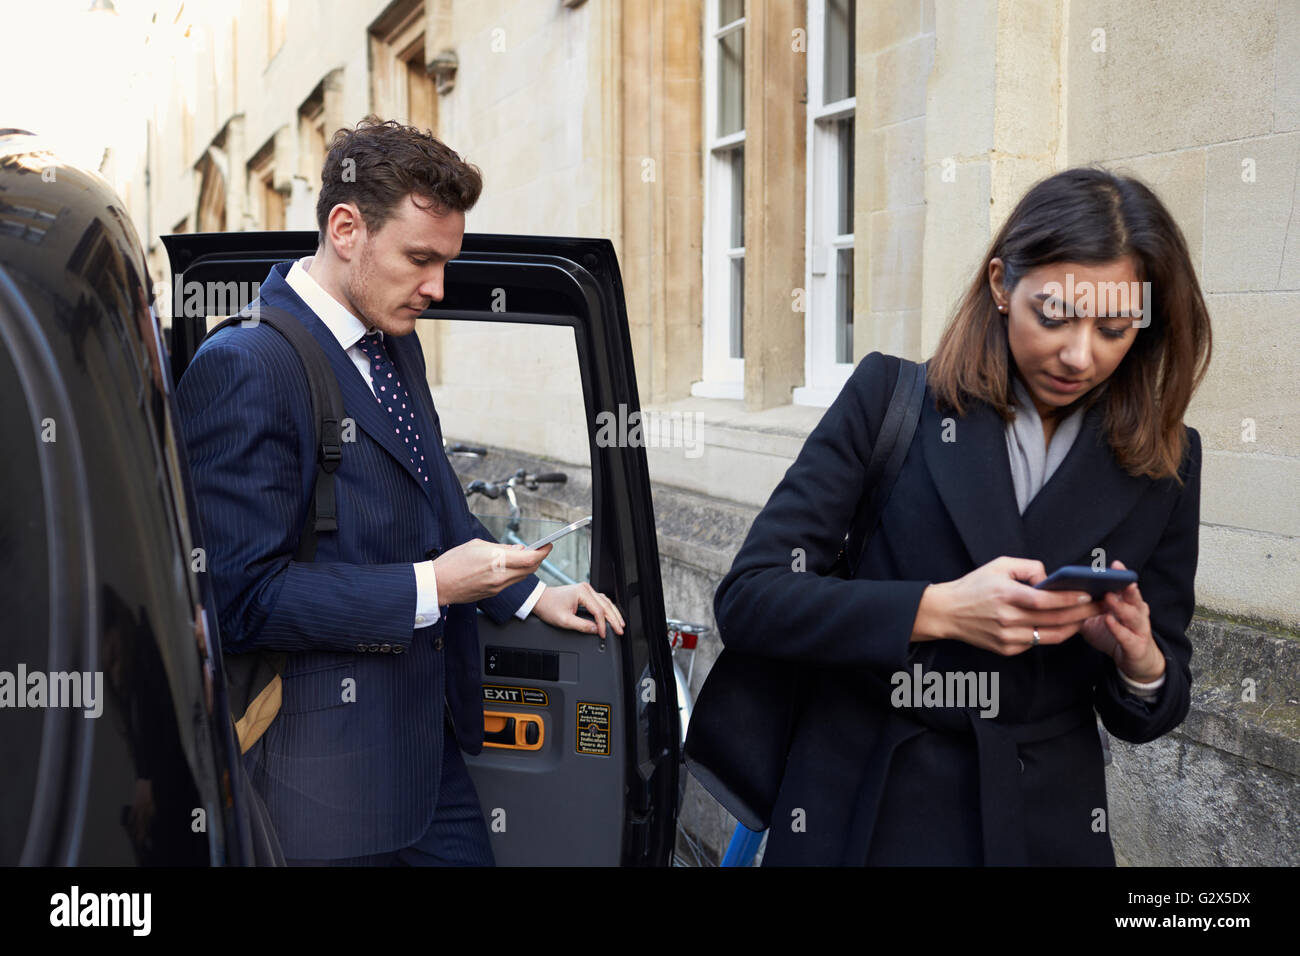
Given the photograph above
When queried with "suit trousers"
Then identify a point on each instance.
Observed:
(457, 836)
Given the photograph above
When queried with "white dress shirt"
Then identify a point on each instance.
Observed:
(349, 330)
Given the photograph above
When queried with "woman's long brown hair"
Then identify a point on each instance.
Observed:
(1091, 216)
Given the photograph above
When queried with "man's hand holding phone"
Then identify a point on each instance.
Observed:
(479, 569)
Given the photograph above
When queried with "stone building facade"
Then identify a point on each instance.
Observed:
(791, 184)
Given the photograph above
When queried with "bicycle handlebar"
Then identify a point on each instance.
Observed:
(494, 489)
(472, 451)
(480, 487)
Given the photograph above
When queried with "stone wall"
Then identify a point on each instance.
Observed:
(1221, 145)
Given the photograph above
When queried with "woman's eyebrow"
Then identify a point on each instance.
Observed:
(1057, 306)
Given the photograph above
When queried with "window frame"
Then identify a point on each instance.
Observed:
(723, 375)
(824, 375)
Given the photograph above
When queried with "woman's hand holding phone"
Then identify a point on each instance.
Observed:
(996, 607)
(1122, 630)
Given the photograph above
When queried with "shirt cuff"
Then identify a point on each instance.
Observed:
(526, 608)
(427, 611)
(1139, 689)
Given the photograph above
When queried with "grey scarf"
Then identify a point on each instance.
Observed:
(1032, 460)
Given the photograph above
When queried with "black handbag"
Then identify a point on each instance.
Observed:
(760, 695)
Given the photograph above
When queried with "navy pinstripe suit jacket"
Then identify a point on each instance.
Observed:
(350, 766)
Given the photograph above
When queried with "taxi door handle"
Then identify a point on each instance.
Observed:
(513, 731)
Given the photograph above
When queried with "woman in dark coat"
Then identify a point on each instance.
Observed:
(1051, 434)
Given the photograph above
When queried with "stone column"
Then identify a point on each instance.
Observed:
(775, 186)
(285, 158)
(662, 192)
(236, 155)
(332, 105)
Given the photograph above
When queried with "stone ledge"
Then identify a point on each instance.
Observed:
(698, 530)
(1265, 731)
(705, 443)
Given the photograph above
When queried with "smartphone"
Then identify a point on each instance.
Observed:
(557, 535)
(1077, 577)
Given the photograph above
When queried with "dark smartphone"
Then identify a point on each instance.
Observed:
(1077, 577)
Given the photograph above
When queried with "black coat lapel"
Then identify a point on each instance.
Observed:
(1086, 497)
(1083, 501)
(967, 459)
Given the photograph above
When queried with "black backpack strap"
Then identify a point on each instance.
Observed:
(327, 409)
(887, 456)
(248, 676)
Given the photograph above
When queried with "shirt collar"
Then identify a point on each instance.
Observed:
(343, 325)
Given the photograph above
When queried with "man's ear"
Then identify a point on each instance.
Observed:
(345, 230)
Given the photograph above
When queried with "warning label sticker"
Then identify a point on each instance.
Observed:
(506, 694)
(593, 729)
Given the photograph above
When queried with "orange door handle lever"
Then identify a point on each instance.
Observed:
(513, 731)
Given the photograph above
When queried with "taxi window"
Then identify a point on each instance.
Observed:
(515, 389)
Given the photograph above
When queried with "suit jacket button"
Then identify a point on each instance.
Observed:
(385, 648)
(374, 647)
(437, 643)
(398, 649)
(361, 647)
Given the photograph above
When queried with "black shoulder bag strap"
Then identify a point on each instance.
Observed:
(248, 676)
(763, 695)
(894, 439)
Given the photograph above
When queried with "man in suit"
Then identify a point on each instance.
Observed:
(381, 689)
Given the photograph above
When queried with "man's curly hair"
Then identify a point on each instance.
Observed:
(381, 162)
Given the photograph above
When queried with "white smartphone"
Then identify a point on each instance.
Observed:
(557, 535)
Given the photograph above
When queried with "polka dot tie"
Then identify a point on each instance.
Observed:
(394, 399)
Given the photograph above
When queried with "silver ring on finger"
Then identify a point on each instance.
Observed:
(1036, 637)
